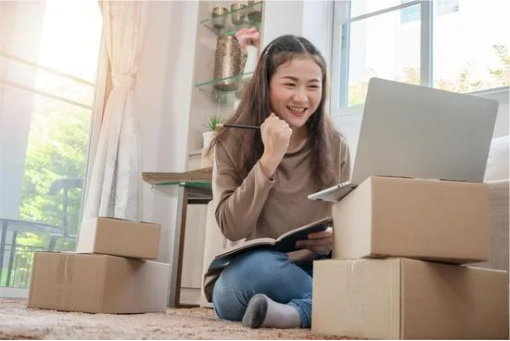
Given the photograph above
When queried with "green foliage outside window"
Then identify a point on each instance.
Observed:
(465, 81)
(57, 149)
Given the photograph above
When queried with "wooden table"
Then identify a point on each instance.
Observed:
(194, 189)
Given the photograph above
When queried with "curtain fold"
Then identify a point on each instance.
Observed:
(114, 182)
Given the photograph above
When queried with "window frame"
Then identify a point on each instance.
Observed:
(102, 88)
(340, 56)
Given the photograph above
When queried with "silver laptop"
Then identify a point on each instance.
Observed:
(419, 132)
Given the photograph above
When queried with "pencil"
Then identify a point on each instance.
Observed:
(240, 126)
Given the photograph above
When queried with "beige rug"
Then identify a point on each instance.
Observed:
(18, 322)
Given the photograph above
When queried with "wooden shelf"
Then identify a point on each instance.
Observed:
(203, 175)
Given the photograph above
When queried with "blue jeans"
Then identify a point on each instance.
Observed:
(266, 272)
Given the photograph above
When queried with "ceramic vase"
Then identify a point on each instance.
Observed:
(228, 63)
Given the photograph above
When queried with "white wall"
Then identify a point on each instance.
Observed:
(310, 19)
(164, 87)
(163, 96)
(282, 17)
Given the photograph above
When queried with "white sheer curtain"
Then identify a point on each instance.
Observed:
(114, 183)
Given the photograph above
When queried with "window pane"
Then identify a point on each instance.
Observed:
(382, 46)
(56, 160)
(29, 76)
(360, 7)
(45, 122)
(471, 45)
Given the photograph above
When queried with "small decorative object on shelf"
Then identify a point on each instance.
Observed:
(255, 12)
(228, 62)
(224, 22)
(219, 18)
(213, 122)
(238, 13)
(207, 137)
(249, 40)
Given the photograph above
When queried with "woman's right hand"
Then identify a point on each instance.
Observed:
(275, 137)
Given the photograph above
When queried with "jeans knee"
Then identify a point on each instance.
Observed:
(229, 303)
(259, 263)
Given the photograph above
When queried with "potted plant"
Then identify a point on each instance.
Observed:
(211, 130)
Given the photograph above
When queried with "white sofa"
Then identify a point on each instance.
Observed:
(496, 176)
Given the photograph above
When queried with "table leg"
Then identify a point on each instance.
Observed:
(11, 258)
(178, 248)
(2, 246)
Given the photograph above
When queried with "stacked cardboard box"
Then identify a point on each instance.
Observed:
(109, 273)
(395, 272)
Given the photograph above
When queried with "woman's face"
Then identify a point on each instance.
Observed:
(295, 90)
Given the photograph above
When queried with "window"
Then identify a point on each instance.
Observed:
(453, 45)
(49, 57)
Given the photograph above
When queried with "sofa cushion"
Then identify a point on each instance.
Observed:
(497, 162)
(498, 216)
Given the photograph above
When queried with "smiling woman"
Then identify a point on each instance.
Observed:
(49, 57)
(296, 92)
(263, 179)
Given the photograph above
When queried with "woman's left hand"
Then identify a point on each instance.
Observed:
(318, 242)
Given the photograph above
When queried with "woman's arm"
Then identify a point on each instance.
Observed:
(239, 202)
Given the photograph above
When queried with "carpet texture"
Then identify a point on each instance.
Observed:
(19, 322)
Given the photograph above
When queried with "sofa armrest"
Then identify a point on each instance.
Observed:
(498, 215)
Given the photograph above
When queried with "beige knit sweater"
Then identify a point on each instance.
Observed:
(257, 207)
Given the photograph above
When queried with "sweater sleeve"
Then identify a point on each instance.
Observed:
(240, 202)
(345, 161)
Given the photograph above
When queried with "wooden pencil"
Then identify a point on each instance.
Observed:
(239, 126)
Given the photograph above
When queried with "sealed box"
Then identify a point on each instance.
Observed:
(425, 219)
(98, 283)
(119, 237)
(398, 298)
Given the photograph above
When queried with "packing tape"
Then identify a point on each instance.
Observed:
(355, 307)
(65, 272)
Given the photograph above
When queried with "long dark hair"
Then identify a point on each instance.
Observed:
(254, 109)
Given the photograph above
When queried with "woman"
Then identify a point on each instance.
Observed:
(263, 180)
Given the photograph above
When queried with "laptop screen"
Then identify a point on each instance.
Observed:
(420, 132)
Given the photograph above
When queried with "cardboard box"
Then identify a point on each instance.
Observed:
(98, 283)
(119, 237)
(399, 298)
(424, 219)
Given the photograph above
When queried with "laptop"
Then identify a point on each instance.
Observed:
(419, 132)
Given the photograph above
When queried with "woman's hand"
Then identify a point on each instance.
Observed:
(275, 137)
(318, 242)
